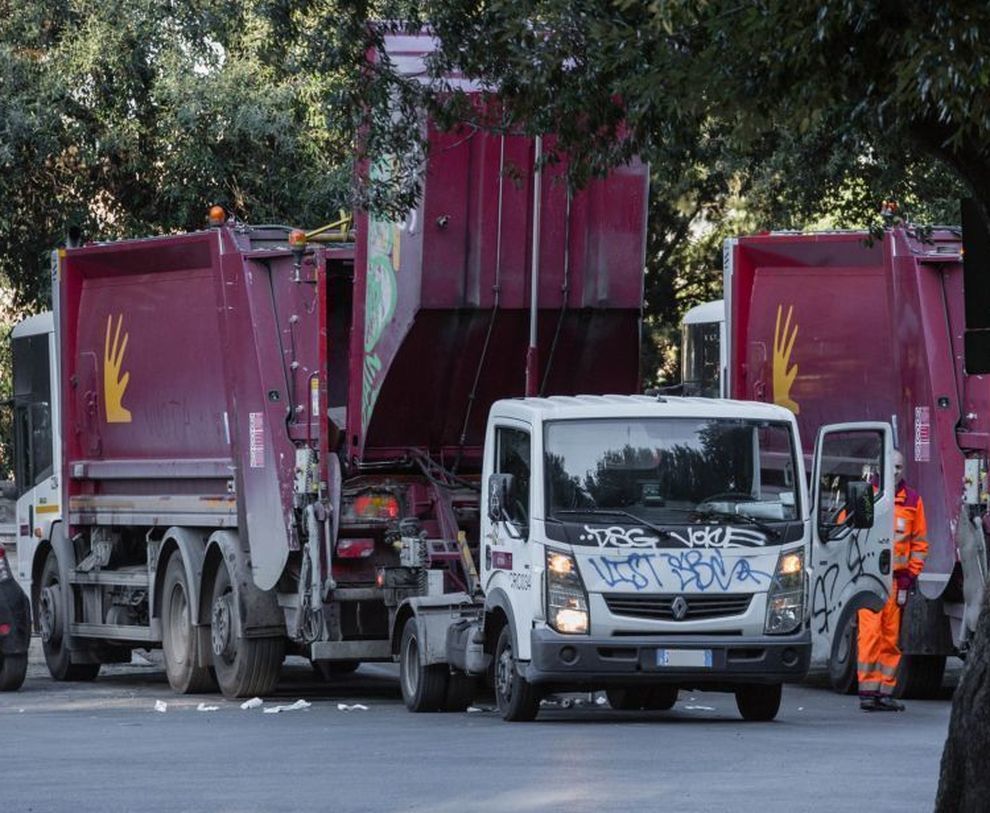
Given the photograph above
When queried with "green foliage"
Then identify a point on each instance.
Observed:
(126, 124)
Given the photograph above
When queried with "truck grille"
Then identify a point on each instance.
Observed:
(658, 608)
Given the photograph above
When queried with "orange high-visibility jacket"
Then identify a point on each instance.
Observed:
(910, 531)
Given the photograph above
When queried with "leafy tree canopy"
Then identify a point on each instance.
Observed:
(127, 122)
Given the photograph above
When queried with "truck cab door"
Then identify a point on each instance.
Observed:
(850, 557)
(508, 501)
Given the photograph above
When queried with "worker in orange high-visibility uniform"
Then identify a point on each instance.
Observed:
(879, 655)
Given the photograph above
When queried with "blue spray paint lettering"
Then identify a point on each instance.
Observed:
(694, 569)
(636, 570)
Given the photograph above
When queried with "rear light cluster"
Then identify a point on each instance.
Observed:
(375, 506)
(4, 566)
(355, 548)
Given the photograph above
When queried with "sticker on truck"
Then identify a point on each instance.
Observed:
(922, 434)
(256, 432)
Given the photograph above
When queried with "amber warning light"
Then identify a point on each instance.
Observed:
(217, 216)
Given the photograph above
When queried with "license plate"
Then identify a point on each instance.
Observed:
(697, 658)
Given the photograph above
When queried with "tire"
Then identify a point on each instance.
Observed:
(920, 677)
(330, 670)
(517, 699)
(461, 691)
(424, 688)
(245, 667)
(179, 634)
(758, 702)
(52, 612)
(648, 698)
(13, 668)
(842, 665)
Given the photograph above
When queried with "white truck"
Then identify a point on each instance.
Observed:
(644, 545)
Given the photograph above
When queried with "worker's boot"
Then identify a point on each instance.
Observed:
(869, 702)
(887, 703)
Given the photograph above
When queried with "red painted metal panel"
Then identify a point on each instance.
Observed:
(877, 335)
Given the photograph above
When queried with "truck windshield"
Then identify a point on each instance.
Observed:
(670, 470)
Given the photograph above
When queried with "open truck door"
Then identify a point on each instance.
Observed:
(852, 538)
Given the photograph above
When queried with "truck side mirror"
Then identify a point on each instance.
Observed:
(499, 488)
(859, 503)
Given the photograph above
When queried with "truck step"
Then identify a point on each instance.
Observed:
(351, 650)
(119, 578)
(117, 632)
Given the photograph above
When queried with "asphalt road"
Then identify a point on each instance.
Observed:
(103, 747)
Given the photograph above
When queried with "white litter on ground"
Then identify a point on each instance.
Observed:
(352, 707)
(601, 701)
(472, 709)
(204, 707)
(253, 703)
(800, 708)
(161, 705)
(700, 708)
(299, 704)
(137, 659)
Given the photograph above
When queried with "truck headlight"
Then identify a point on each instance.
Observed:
(567, 602)
(785, 599)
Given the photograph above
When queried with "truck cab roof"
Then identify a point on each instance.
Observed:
(566, 407)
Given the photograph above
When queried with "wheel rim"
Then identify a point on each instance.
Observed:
(410, 666)
(51, 632)
(221, 628)
(178, 623)
(503, 672)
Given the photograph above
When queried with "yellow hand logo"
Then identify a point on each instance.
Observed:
(783, 376)
(115, 384)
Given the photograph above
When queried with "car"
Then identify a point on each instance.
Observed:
(15, 628)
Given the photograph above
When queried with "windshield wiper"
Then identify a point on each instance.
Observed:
(617, 512)
(745, 519)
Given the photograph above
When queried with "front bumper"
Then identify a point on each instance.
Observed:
(576, 661)
(15, 610)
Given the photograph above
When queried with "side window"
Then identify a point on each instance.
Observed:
(513, 457)
(847, 456)
(32, 411)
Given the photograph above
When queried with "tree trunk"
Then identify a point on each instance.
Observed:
(964, 781)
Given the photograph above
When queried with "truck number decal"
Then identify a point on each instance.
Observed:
(520, 581)
(256, 433)
(922, 434)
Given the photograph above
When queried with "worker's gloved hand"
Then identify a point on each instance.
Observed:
(905, 581)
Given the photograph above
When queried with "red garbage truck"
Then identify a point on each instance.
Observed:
(235, 445)
(841, 326)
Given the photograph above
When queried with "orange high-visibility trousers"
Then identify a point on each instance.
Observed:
(879, 654)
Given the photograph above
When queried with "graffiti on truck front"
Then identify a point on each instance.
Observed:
(717, 536)
(691, 570)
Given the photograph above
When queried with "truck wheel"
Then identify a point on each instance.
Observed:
(424, 688)
(52, 613)
(245, 667)
(758, 702)
(179, 634)
(842, 664)
(920, 676)
(13, 668)
(461, 690)
(518, 700)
